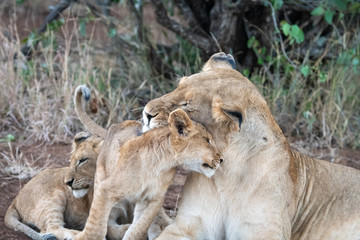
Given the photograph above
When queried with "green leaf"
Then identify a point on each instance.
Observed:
(277, 4)
(101, 86)
(341, 4)
(305, 70)
(55, 24)
(323, 77)
(285, 27)
(250, 42)
(329, 16)
(318, 11)
(355, 7)
(355, 61)
(246, 72)
(112, 32)
(19, 2)
(82, 27)
(307, 114)
(8, 138)
(297, 33)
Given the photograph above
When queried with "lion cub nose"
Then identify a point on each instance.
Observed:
(70, 182)
(221, 160)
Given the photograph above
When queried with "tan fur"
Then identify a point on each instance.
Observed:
(47, 203)
(143, 170)
(115, 137)
(83, 92)
(266, 189)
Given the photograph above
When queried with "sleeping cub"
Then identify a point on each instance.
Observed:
(47, 203)
(144, 169)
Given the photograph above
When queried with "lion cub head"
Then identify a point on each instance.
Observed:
(193, 144)
(80, 177)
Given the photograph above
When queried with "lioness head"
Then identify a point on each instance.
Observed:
(193, 145)
(80, 177)
(221, 99)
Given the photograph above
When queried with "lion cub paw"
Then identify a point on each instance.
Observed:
(48, 236)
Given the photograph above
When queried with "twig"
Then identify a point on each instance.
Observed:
(54, 14)
(279, 33)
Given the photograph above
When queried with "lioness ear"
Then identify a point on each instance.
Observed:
(220, 60)
(180, 123)
(79, 138)
(232, 118)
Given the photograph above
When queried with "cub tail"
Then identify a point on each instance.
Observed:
(90, 125)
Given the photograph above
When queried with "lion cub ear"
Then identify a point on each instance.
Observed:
(219, 60)
(179, 122)
(79, 138)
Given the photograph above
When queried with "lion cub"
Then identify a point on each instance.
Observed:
(48, 204)
(144, 170)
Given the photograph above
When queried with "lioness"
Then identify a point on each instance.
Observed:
(144, 170)
(266, 190)
(47, 203)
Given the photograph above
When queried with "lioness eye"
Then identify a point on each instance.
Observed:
(83, 160)
(184, 104)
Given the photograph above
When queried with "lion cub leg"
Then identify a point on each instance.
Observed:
(161, 221)
(52, 217)
(96, 224)
(116, 231)
(143, 219)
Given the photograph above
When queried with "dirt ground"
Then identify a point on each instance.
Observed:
(57, 155)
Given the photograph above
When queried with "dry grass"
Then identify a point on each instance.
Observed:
(36, 95)
(322, 109)
(13, 164)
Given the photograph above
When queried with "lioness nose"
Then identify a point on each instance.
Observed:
(70, 182)
(221, 160)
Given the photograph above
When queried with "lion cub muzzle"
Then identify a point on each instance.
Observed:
(214, 164)
(69, 182)
(77, 190)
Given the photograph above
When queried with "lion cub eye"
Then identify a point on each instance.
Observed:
(83, 160)
(208, 140)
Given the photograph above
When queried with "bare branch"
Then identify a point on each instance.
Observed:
(54, 14)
